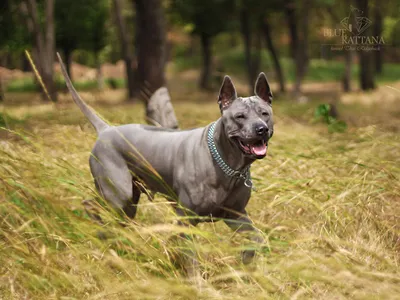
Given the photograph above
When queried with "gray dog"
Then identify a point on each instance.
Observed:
(205, 170)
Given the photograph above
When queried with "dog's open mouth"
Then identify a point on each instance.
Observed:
(256, 148)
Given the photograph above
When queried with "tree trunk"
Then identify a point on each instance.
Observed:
(274, 54)
(44, 43)
(36, 31)
(366, 71)
(377, 31)
(256, 60)
(192, 46)
(25, 63)
(366, 62)
(348, 60)
(1, 89)
(151, 37)
(290, 11)
(252, 63)
(347, 71)
(233, 41)
(127, 52)
(29, 11)
(99, 73)
(50, 50)
(28, 17)
(206, 71)
(301, 60)
(3, 60)
(68, 61)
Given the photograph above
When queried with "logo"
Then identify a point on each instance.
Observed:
(351, 34)
(355, 23)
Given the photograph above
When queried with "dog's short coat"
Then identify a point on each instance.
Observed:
(179, 164)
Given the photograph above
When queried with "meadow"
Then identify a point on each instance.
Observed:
(328, 204)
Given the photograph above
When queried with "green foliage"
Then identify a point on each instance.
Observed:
(116, 83)
(7, 121)
(97, 31)
(22, 85)
(7, 24)
(13, 36)
(81, 24)
(389, 30)
(28, 85)
(232, 60)
(323, 113)
(393, 31)
(208, 17)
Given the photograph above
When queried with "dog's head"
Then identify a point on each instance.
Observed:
(247, 121)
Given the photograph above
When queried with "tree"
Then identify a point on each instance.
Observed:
(43, 41)
(97, 34)
(297, 15)
(209, 18)
(290, 12)
(5, 20)
(255, 23)
(253, 59)
(366, 62)
(265, 27)
(86, 30)
(336, 16)
(377, 31)
(126, 49)
(301, 54)
(69, 30)
(6, 23)
(348, 61)
(151, 38)
(9, 36)
(151, 57)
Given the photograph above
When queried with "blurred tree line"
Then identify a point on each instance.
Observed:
(98, 31)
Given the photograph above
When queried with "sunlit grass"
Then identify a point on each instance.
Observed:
(29, 85)
(328, 205)
(233, 61)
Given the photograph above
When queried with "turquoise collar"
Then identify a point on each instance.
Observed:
(245, 174)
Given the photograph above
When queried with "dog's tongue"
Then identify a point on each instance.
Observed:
(260, 149)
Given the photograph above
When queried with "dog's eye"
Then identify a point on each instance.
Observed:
(240, 116)
(265, 114)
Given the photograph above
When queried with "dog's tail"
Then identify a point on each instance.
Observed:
(96, 121)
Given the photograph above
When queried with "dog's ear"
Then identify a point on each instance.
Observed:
(227, 93)
(262, 88)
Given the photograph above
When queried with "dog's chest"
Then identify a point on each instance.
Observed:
(217, 198)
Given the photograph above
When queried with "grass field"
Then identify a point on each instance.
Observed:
(233, 61)
(328, 205)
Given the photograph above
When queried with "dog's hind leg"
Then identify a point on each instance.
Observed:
(115, 183)
(131, 207)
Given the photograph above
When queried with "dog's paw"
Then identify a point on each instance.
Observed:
(247, 256)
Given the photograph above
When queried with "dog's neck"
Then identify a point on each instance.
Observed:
(229, 152)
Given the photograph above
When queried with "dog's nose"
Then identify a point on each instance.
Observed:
(261, 129)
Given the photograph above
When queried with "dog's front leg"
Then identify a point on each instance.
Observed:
(241, 223)
(190, 262)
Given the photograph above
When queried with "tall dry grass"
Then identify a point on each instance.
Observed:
(328, 204)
